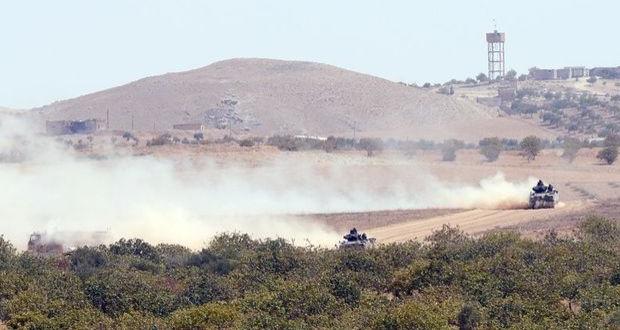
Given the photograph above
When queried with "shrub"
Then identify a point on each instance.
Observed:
(199, 136)
(490, 148)
(246, 143)
(469, 317)
(208, 316)
(591, 80)
(608, 154)
(530, 147)
(160, 140)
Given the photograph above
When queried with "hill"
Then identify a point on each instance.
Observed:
(264, 97)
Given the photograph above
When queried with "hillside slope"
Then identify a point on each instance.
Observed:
(263, 97)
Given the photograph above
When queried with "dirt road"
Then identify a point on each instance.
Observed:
(472, 222)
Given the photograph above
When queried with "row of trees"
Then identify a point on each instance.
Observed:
(500, 280)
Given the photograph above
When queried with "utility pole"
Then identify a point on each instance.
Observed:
(107, 119)
(354, 128)
(132, 121)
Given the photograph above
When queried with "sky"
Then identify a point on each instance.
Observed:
(54, 50)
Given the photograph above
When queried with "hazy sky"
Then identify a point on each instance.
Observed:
(53, 50)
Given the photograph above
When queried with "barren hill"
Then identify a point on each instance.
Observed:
(263, 97)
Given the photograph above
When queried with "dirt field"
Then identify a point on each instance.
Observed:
(586, 187)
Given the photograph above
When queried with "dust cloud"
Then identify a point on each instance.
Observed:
(47, 187)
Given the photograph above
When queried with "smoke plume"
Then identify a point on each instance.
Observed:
(47, 187)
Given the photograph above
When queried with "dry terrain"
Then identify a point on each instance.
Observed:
(586, 187)
(266, 97)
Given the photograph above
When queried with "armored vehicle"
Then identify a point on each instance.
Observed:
(543, 197)
(356, 240)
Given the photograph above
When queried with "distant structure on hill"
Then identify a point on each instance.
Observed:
(496, 59)
(606, 72)
(65, 127)
(555, 74)
(575, 72)
(189, 127)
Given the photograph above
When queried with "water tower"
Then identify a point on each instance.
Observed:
(495, 41)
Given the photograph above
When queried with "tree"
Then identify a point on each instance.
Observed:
(490, 148)
(330, 144)
(571, 148)
(448, 153)
(608, 154)
(523, 77)
(449, 149)
(481, 77)
(371, 145)
(510, 75)
(530, 147)
(591, 80)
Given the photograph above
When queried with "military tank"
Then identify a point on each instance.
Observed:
(355, 240)
(543, 197)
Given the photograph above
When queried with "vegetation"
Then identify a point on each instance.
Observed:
(500, 280)
(511, 75)
(490, 148)
(481, 77)
(371, 146)
(530, 147)
(571, 148)
(608, 154)
(449, 149)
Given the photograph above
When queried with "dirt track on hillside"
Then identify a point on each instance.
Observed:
(473, 222)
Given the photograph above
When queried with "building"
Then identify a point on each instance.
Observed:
(606, 72)
(543, 74)
(553, 74)
(189, 127)
(578, 71)
(565, 73)
(66, 127)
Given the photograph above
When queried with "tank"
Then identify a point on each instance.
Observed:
(543, 197)
(355, 240)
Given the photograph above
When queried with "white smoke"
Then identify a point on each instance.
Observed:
(168, 200)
